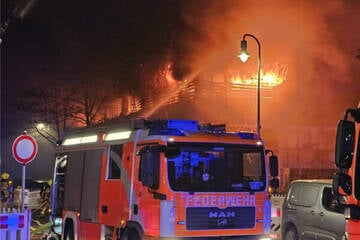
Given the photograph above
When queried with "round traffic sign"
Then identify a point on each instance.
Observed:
(24, 149)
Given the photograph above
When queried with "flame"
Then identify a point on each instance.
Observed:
(270, 79)
(169, 74)
(267, 80)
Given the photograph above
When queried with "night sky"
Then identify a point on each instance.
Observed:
(115, 40)
(113, 37)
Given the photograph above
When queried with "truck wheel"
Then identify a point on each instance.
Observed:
(291, 234)
(131, 233)
(69, 232)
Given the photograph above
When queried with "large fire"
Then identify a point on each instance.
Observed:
(269, 79)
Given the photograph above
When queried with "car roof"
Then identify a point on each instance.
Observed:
(316, 181)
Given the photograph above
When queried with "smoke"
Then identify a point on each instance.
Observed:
(286, 29)
(316, 40)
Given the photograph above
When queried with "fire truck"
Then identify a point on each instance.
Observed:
(346, 181)
(162, 179)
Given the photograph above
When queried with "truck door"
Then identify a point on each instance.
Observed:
(115, 183)
(91, 183)
(147, 192)
(82, 183)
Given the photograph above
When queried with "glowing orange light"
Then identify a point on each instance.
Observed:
(273, 78)
(268, 80)
(169, 74)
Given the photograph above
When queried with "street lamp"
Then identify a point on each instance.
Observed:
(244, 56)
(41, 130)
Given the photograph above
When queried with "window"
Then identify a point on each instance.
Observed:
(252, 165)
(216, 167)
(303, 194)
(57, 197)
(149, 169)
(114, 162)
(330, 202)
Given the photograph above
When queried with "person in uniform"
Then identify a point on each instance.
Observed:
(7, 189)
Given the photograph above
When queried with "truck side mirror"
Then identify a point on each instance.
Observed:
(343, 182)
(274, 183)
(344, 147)
(149, 169)
(274, 166)
(357, 172)
(172, 152)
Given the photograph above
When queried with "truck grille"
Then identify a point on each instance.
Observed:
(216, 218)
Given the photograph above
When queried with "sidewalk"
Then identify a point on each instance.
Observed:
(40, 225)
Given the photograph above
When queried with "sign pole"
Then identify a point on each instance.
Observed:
(23, 188)
(24, 150)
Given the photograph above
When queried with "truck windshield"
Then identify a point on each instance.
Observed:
(222, 168)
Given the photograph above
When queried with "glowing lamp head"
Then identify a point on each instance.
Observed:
(244, 55)
(40, 126)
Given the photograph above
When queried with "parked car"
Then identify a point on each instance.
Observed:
(311, 211)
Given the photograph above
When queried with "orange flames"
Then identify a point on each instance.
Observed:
(270, 79)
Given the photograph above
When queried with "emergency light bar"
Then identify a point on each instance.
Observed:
(117, 135)
(172, 127)
(248, 135)
(80, 140)
(189, 125)
(213, 128)
(182, 125)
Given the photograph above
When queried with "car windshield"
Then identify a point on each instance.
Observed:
(222, 168)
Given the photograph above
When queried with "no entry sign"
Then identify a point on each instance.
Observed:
(24, 149)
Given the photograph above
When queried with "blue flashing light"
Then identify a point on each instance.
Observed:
(166, 132)
(219, 149)
(188, 125)
(256, 185)
(248, 135)
(267, 216)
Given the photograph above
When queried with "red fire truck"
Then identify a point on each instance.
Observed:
(162, 179)
(347, 179)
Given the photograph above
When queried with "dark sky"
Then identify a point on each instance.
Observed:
(68, 36)
(80, 40)
(114, 40)
(77, 40)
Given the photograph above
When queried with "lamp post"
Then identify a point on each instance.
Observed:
(244, 56)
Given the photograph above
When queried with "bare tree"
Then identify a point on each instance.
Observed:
(63, 105)
(89, 103)
(49, 103)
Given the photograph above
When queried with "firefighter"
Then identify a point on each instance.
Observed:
(45, 198)
(7, 188)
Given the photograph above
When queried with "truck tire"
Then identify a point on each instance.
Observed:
(131, 233)
(291, 234)
(69, 232)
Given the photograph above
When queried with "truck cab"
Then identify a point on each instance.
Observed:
(346, 182)
(167, 179)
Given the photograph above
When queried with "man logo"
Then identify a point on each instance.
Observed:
(222, 222)
(222, 214)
